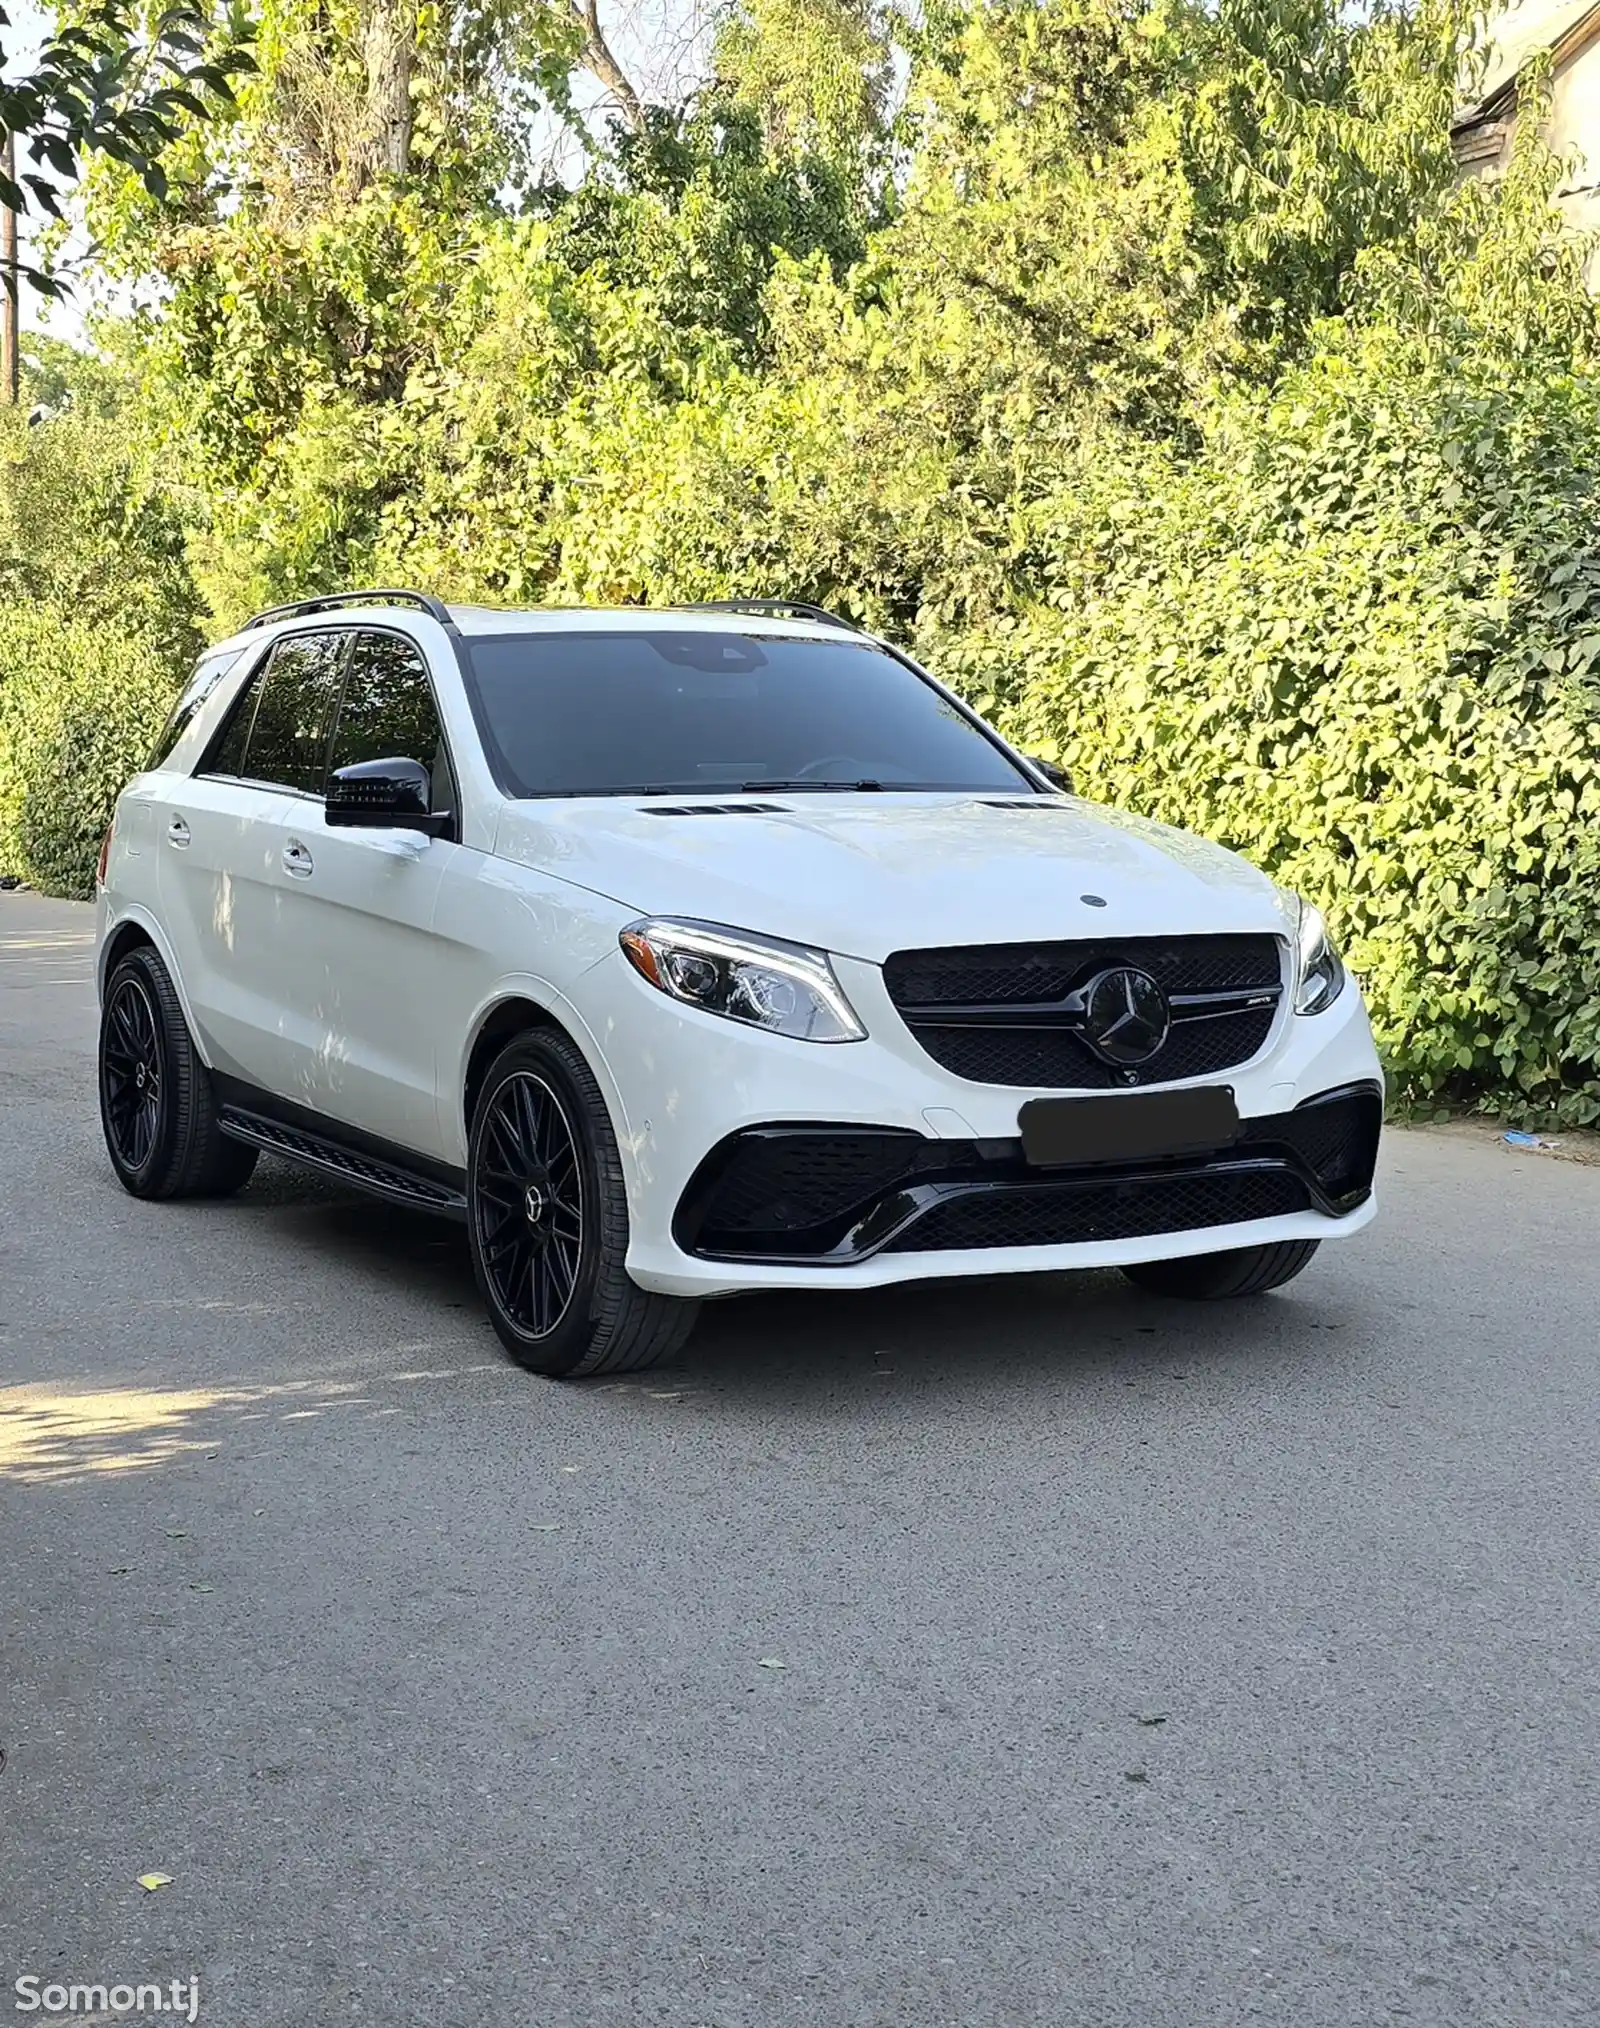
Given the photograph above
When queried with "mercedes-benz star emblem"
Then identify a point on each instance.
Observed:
(1126, 1016)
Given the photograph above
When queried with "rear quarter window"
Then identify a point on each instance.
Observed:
(201, 687)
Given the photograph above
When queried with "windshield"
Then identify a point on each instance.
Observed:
(676, 712)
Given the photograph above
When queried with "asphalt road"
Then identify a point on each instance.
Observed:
(1139, 1665)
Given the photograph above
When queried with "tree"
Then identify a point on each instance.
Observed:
(818, 72)
(107, 84)
(388, 52)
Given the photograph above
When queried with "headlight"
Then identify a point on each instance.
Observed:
(784, 988)
(1319, 975)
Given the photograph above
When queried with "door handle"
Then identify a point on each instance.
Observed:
(177, 831)
(296, 859)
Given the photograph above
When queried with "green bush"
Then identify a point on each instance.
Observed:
(1357, 637)
(97, 611)
(84, 526)
(80, 705)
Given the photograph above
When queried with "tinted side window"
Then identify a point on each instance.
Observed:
(289, 738)
(388, 712)
(207, 676)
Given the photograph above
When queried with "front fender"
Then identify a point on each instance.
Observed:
(550, 1000)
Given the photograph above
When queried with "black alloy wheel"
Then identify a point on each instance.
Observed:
(547, 1218)
(131, 1080)
(530, 1204)
(157, 1108)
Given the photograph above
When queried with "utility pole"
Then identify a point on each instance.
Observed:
(10, 352)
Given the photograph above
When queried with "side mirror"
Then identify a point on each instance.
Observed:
(384, 795)
(1053, 772)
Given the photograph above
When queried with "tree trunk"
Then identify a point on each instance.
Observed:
(388, 51)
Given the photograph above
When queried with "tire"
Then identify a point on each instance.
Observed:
(1218, 1277)
(548, 1220)
(157, 1110)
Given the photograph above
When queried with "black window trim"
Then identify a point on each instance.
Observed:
(240, 676)
(350, 628)
(1028, 782)
(202, 683)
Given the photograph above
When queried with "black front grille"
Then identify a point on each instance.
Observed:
(1049, 1050)
(1059, 1060)
(1001, 972)
(1044, 1214)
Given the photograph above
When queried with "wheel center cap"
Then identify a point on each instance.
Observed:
(138, 1077)
(533, 1203)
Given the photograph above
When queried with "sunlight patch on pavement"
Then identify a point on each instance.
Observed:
(49, 1435)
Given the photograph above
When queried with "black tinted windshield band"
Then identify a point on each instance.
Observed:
(645, 712)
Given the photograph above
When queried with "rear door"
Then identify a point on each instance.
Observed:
(358, 907)
(220, 836)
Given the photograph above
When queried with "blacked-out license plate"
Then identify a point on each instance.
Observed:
(1127, 1126)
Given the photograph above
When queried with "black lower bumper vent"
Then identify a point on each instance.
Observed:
(837, 1195)
(1077, 1213)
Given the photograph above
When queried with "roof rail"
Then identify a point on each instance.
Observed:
(333, 602)
(799, 609)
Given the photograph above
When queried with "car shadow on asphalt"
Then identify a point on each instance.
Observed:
(877, 1360)
(952, 1331)
(1003, 1329)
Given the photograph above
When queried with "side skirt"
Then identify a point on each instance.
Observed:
(362, 1160)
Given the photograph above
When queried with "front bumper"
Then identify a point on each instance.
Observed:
(777, 1196)
(688, 1087)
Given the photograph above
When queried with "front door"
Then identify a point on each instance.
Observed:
(360, 905)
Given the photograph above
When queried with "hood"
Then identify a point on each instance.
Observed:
(864, 875)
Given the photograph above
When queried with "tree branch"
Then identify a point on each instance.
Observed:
(598, 58)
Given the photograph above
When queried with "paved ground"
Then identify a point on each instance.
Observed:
(445, 1695)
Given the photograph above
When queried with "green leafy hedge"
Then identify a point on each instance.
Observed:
(80, 706)
(98, 612)
(1358, 638)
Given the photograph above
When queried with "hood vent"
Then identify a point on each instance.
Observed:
(1022, 803)
(714, 810)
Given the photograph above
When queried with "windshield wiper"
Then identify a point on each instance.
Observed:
(838, 788)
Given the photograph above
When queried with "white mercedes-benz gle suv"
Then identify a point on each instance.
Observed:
(682, 952)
